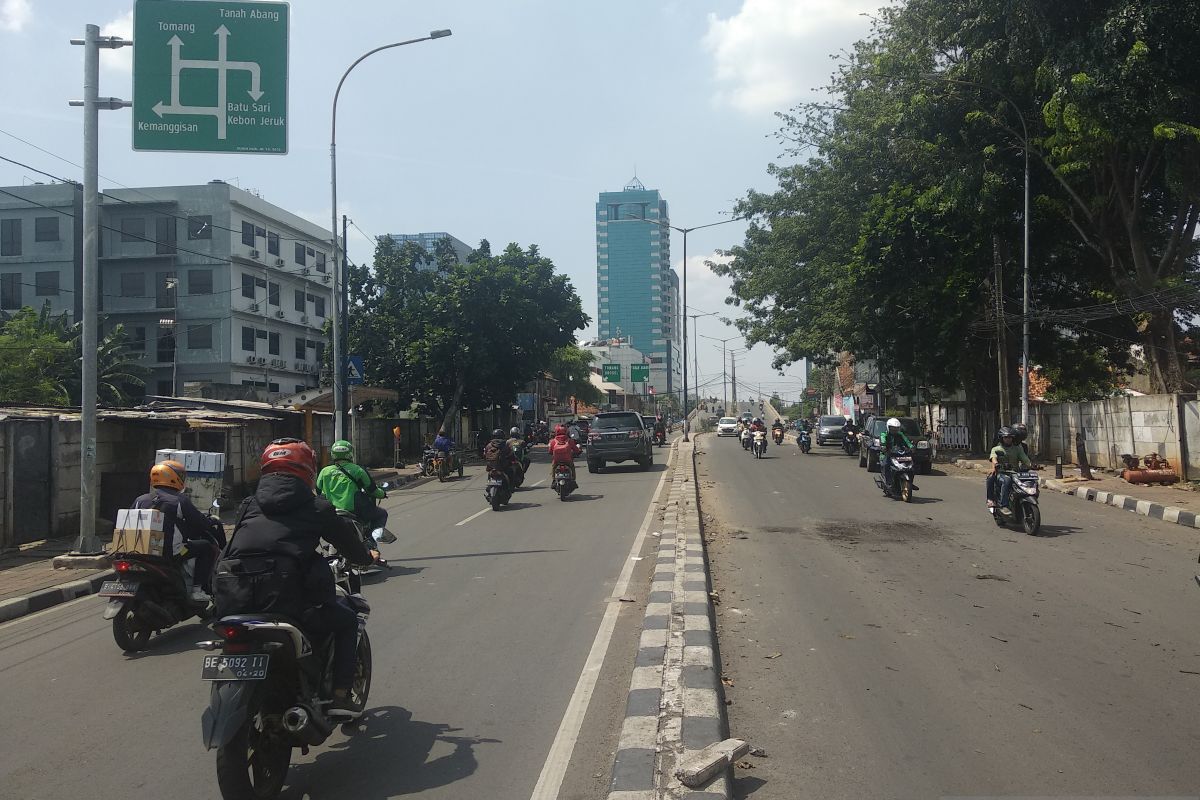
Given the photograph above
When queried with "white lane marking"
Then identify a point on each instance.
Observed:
(473, 516)
(539, 483)
(550, 781)
(49, 610)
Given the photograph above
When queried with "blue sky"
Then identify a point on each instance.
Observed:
(506, 130)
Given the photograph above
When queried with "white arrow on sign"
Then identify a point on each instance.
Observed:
(222, 65)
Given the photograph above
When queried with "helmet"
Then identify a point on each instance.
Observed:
(514, 431)
(498, 433)
(560, 430)
(290, 457)
(168, 474)
(757, 421)
(893, 423)
(341, 450)
(1006, 432)
(1020, 431)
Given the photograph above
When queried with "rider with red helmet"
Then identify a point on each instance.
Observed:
(563, 450)
(278, 529)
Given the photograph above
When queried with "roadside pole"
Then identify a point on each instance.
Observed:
(87, 543)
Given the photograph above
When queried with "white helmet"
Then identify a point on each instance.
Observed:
(893, 423)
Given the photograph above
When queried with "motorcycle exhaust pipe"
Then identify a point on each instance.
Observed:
(305, 726)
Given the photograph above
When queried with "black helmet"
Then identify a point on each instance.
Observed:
(1020, 431)
(498, 433)
(1006, 431)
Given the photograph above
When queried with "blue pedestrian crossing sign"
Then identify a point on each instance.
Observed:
(354, 370)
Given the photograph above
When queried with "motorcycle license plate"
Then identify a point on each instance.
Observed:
(251, 667)
(495, 482)
(118, 589)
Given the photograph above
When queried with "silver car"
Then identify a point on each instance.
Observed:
(831, 429)
(727, 427)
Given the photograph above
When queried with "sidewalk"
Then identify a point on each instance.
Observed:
(1175, 505)
(29, 582)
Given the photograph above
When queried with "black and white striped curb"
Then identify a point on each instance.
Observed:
(1146, 508)
(674, 707)
(45, 598)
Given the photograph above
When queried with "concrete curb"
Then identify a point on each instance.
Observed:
(674, 708)
(1147, 508)
(17, 607)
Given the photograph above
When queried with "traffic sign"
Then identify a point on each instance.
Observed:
(612, 373)
(210, 76)
(639, 373)
(354, 369)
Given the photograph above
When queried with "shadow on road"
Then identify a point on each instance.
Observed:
(387, 753)
(744, 787)
(179, 639)
(480, 555)
(584, 497)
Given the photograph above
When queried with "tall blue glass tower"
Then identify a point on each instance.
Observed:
(637, 289)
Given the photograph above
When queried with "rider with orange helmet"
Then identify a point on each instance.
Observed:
(278, 529)
(183, 523)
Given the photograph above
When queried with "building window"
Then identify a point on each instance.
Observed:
(301, 348)
(320, 348)
(165, 289)
(200, 227)
(614, 211)
(10, 290)
(261, 233)
(137, 342)
(133, 229)
(166, 343)
(46, 284)
(248, 234)
(199, 337)
(319, 306)
(273, 243)
(300, 387)
(273, 387)
(45, 229)
(299, 254)
(165, 389)
(164, 236)
(200, 281)
(248, 339)
(133, 284)
(247, 286)
(273, 343)
(10, 237)
(320, 262)
(273, 293)
(301, 306)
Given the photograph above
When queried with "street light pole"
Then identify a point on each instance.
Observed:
(696, 350)
(339, 356)
(724, 394)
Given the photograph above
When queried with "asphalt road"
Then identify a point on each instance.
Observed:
(888, 650)
(480, 634)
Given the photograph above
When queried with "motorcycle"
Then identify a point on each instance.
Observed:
(430, 461)
(563, 483)
(370, 538)
(150, 594)
(518, 470)
(760, 444)
(804, 441)
(499, 488)
(850, 444)
(660, 438)
(1022, 502)
(271, 685)
(777, 435)
(746, 439)
(900, 484)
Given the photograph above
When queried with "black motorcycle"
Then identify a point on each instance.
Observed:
(850, 443)
(660, 437)
(902, 469)
(1022, 502)
(499, 489)
(563, 483)
(271, 685)
(804, 441)
(150, 594)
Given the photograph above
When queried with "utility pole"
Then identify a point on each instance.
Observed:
(344, 319)
(1001, 346)
(92, 103)
(733, 379)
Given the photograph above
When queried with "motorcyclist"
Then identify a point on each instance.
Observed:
(279, 528)
(499, 455)
(660, 427)
(1006, 455)
(342, 481)
(893, 436)
(563, 450)
(517, 443)
(444, 444)
(756, 425)
(186, 530)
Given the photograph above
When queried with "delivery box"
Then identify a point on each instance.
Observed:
(138, 530)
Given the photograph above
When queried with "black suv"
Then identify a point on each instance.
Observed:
(868, 452)
(619, 436)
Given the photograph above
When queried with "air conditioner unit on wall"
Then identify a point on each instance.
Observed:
(325, 278)
(304, 317)
(279, 314)
(262, 360)
(279, 262)
(254, 306)
(305, 271)
(255, 254)
(249, 359)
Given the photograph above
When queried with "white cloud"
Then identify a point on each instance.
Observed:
(121, 59)
(772, 53)
(15, 15)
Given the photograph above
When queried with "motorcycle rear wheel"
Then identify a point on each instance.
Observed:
(253, 764)
(125, 634)
(360, 690)
(906, 489)
(1031, 519)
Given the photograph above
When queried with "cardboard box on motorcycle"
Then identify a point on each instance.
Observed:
(139, 530)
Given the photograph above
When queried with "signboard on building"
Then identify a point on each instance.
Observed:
(612, 373)
(639, 373)
(210, 77)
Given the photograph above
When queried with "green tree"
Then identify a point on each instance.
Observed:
(33, 361)
(571, 367)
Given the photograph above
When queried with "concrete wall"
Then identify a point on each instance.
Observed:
(1112, 427)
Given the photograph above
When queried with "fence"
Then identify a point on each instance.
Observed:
(953, 437)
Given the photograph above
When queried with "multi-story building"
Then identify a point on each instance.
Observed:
(214, 286)
(637, 289)
(619, 351)
(430, 241)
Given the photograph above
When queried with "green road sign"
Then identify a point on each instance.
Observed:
(639, 373)
(612, 373)
(210, 76)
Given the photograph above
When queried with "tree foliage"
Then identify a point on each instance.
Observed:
(900, 219)
(571, 367)
(451, 335)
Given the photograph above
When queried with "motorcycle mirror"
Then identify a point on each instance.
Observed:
(383, 536)
(385, 486)
(217, 504)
